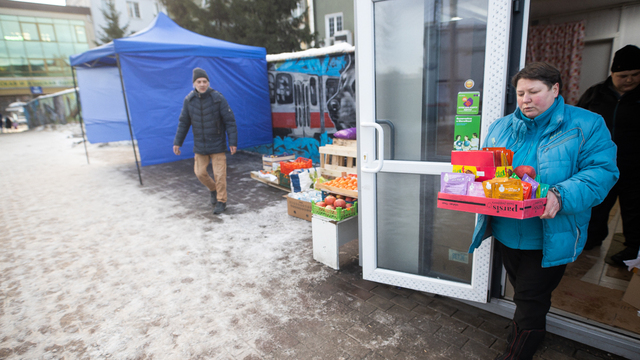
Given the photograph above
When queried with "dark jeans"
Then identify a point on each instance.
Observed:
(629, 193)
(533, 285)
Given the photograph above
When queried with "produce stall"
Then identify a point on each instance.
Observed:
(326, 196)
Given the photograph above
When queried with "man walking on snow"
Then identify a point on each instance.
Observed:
(207, 112)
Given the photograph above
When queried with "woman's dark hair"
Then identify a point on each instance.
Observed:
(542, 71)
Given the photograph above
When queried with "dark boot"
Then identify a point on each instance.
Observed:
(522, 344)
(628, 253)
(220, 207)
(214, 198)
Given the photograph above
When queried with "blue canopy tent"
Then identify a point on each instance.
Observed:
(154, 68)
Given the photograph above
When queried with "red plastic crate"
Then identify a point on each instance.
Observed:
(300, 163)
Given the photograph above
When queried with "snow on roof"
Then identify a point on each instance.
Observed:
(337, 48)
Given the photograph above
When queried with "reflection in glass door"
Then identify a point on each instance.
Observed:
(427, 56)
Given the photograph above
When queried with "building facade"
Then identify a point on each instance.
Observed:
(35, 44)
(137, 14)
(333, 20)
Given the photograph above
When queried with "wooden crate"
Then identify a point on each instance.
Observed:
(337, 159)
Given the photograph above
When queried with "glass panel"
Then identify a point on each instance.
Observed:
(30, 31)
(61, 21)
(9, 17)
(66, 50)
(19, 66)
(331, 30)
(44, 20)
(80, 48)
(37, 65)
(3, 50)
(426, 50)
(76, 22)
(34, 49)
(81, 37)
(16, 49)
(27, 18)
(5, 66)
(57, 66)
(11, 31)
(46, 32)
(50, 50)
(339, 23)
(416, 237)
(63, 33)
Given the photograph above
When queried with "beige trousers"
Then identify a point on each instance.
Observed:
(219, 164)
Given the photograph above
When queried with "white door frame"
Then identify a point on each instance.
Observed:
(495, 80)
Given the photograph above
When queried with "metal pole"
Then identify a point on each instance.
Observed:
(75, 87)
(126, 107)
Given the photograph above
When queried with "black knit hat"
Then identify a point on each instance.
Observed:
(199, 73)
(627, 58)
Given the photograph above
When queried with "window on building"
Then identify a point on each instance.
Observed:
(333, 23)
(46, 32)
(81, 36)
(30, 32)
(34, 46)
(134, 9)
(300, 8)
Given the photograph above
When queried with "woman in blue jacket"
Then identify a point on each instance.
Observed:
(572, 151)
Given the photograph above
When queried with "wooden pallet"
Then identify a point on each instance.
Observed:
(270, 183)
(337, 159)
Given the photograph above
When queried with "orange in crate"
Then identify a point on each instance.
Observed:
(300, 163)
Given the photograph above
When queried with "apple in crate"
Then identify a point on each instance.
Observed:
(340, 203)
(321, 204)
(330, 207)
(329, 200)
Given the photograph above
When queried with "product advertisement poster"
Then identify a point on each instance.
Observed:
(467, 133)
(468, 103)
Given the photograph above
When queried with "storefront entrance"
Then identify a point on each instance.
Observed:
(432, 76)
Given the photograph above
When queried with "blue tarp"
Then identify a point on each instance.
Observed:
(157, 65)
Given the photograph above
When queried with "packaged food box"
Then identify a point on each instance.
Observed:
(488, 206)
(480, 163)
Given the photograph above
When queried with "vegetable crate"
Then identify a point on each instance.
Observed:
(336, 159)
(338, 214)
(284, 180)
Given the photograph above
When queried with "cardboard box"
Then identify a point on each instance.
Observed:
(268, 160)
(488, 206)
(632, 295)
(299, 208)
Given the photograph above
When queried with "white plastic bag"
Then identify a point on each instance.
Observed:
(302, 179)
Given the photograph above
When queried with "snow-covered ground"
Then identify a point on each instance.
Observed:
(93, 265)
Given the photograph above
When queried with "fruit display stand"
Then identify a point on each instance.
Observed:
(338, 157)
(337, 191)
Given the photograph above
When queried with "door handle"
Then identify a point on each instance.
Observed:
(380, 148)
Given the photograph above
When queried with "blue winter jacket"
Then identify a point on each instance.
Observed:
(576, 155)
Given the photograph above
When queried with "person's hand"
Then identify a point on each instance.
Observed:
(552, 208)
(233, 149)
(176, 150)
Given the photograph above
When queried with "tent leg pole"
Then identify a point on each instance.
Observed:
(126, 107)
(75, 87)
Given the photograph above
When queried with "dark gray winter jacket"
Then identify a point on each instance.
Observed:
(211, 118)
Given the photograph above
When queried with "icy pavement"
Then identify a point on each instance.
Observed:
(95, 266)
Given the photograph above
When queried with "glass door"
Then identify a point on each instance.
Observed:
(428, 71)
